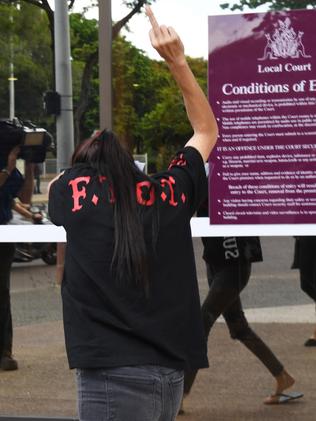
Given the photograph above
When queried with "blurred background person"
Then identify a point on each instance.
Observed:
(228, 264)
(12, 184)
(38, 171)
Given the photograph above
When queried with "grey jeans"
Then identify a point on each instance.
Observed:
(137, 393)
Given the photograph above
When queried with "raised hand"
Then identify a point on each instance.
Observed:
(168, 44)
(165, 40)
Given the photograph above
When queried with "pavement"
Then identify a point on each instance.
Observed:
(234, 386)
(231, 389)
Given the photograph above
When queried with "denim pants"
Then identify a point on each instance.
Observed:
(226, 284)
(135, 393)
(6, 257)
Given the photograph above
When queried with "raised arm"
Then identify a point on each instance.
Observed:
(169, 46)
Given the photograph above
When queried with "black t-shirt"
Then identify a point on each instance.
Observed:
(8, 191)
(109, 323)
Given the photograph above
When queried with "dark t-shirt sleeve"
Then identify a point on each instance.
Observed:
(56, 202)
(187, 167)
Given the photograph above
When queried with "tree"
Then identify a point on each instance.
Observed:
(84, 44)
(133, 90)
(149, 115)
(135, 7)
(30, 45)
(165, 127)
(272, 4)
(136, 84)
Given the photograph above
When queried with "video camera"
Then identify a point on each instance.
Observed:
(32, 140)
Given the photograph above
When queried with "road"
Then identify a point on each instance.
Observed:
(273, 287)
(234, 386)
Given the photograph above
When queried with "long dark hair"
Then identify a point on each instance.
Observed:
(105, 153)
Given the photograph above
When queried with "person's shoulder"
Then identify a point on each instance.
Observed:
(74, 171)
(188, 165)
(79, 169)
(185, 156)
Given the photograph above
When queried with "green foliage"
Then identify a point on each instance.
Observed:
(272, 4)
(84, 42)
(84, 36)
(148, 109)
(28, 31)
(124, 115)
(135, 86)
(165, 127)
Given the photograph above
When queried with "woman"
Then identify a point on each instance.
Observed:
(130, 297)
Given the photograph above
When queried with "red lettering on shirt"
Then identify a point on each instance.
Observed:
(145, 192)
(76, 193)
(170, 182)
(179, 161)
(95, 199)
(163, 196)
(139, 193)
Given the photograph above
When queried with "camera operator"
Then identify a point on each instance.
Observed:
(12, 184)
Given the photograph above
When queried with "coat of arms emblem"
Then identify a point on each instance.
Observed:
(284, 43)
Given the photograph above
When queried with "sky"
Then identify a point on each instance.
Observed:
(188, 17)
